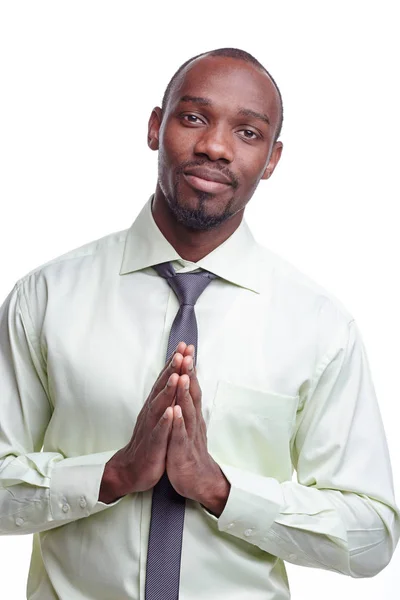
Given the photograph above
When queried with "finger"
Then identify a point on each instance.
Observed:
(181, 349)
(173, 366)
(184, 400)
(189, 350)
(160, 433)
(164, 398)
(187, 368)
(178, 434)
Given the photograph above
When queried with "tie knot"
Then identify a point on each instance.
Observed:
(187, 286)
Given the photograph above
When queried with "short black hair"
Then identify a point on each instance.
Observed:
(230, 53)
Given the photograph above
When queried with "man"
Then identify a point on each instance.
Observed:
(147, 481)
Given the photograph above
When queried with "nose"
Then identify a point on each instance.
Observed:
(216, 144)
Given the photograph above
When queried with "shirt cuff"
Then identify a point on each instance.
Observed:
(253, 504)
(75, 485)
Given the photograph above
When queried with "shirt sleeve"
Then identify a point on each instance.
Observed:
(38, 490)
(340, 515)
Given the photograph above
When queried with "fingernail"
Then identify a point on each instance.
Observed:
(187, 384)
(191, 365)
(169, 382)
(173, 363)
(178, 411)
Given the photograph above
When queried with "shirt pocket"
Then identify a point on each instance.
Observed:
(251, 430)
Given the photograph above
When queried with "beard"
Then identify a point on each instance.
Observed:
(198, 218)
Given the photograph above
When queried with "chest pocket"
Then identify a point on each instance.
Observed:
(251, 430)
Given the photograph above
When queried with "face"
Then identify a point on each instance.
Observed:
(215, 140)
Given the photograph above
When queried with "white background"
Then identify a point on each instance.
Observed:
(78, 82)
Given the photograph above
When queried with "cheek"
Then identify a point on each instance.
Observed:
(249, 165)
(250, 177)
(174, 145)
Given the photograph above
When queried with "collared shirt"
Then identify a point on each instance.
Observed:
(286, 388)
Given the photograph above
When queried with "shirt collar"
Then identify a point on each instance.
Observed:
(235, 260)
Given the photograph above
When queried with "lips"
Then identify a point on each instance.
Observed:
(209, 175)
(207, 180)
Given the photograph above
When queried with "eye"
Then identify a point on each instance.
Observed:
(249, 135)
(192, 119)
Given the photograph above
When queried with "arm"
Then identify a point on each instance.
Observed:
(341, 514)
(43, 490)
(38, 490)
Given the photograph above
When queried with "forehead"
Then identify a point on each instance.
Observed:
(228, 83)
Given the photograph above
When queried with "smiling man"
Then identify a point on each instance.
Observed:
(160, 386)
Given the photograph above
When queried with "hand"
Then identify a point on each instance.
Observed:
(141, 463)
(191, 469)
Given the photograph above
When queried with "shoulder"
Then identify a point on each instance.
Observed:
(110, 246)
(303, 306)
(82, 268)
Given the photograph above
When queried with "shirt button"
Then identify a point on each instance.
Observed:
(82, 503)
(230, 525)
(65, 508)
(19, 521)
(248, 532)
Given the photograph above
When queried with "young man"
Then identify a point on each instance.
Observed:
(149, 481)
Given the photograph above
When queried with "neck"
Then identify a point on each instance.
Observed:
(190, 244)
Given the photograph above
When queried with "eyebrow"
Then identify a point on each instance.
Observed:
(244, 112)
(247, 112)
(196, 100)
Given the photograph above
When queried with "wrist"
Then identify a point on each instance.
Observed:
(216, 495)
(110, 486)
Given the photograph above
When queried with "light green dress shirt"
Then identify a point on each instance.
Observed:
(286, 386)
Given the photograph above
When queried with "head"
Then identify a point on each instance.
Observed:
(217, 135)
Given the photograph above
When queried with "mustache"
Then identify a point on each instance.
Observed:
(212, 166)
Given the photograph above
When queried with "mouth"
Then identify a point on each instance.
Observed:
(205, 185)
(207, 181)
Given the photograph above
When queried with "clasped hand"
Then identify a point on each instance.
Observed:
(170, 434)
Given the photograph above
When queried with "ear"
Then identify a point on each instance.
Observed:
(273, 160)
(153, 130)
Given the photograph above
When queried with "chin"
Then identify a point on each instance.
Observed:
(195, 215)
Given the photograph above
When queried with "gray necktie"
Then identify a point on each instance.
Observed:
(168, 507)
